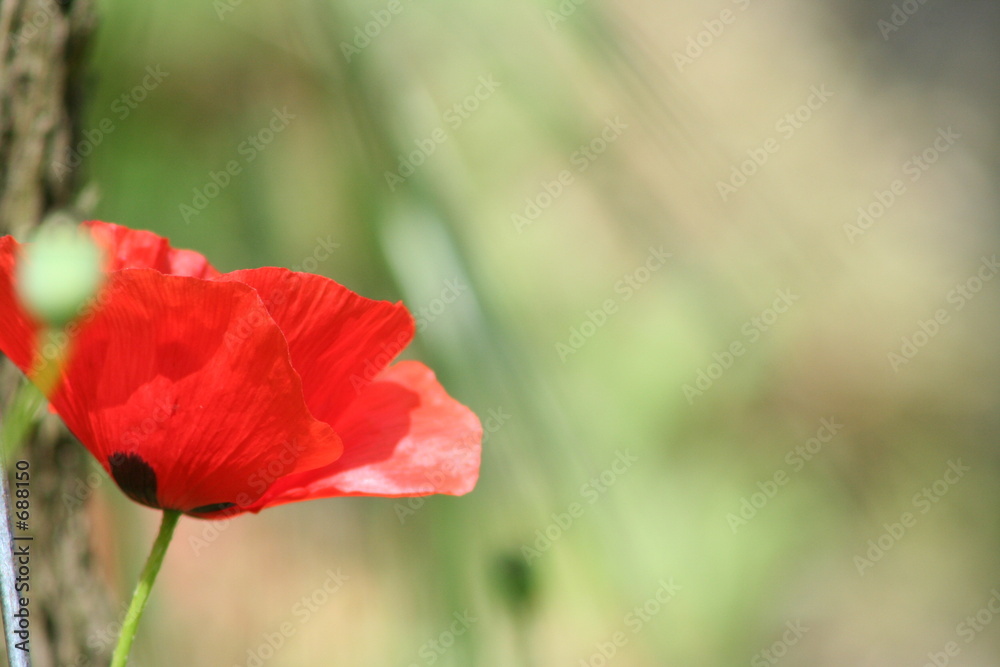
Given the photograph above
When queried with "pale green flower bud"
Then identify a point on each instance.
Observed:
(58, 273)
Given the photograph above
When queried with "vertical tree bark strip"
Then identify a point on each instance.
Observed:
(42, 43)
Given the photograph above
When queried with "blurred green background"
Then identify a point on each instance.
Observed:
(632, 234)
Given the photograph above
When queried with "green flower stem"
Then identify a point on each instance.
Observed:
(19, 419)
(44, 377)
(145, 585)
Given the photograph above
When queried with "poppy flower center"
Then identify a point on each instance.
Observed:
(135, 477)
(138, 480)
(209, 509)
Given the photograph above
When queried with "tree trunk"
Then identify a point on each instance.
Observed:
(42, 44)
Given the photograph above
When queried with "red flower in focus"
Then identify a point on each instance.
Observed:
(215, 394)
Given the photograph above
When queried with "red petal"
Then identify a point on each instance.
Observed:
(403, 436)
(339, 341)
(194, 378)
(138, 249)
(18, 330)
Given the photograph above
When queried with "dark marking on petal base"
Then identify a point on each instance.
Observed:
(135, 477)
(209, 509)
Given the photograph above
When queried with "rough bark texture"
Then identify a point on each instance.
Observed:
(42, 44)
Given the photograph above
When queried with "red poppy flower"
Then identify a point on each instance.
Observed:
(215, 394)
